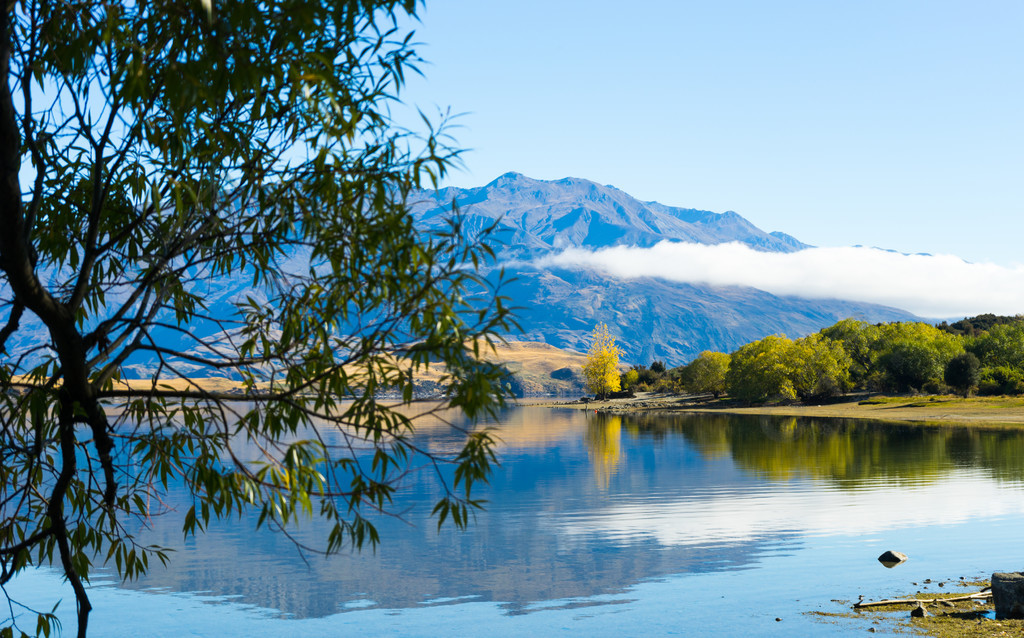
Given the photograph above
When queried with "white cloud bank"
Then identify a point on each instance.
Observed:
(926, 285)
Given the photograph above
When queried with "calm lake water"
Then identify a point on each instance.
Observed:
(612, 526)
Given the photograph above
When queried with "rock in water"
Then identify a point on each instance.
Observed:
(919, 611)
(892, 559)
(1008, 594)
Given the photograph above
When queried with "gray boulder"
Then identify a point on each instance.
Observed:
(1008, 594)
(891, 558)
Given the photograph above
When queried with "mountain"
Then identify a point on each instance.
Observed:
(651, 318)
(537, 217)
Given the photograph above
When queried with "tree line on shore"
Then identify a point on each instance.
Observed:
(983, 355)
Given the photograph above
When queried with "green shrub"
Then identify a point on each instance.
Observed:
(705, 374)
(1001, 380)
(963, 372)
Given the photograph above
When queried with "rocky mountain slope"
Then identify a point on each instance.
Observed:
(538, 217)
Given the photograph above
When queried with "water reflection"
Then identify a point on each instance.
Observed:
(587, 504)
(603, 446)
(843, 450)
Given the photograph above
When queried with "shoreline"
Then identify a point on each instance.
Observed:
(924, 410)
(934, 410)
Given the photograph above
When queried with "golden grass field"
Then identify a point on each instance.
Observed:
(532, 362)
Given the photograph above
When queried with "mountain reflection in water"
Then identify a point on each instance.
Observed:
(588, 504)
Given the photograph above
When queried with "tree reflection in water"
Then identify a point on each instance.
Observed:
(843, 450)
(603, 438)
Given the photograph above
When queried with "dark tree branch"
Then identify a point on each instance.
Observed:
(17, 309)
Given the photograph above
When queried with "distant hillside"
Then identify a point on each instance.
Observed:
(654, 319)
(651, 318)
(538, 369)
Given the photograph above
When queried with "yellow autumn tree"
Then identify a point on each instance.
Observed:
(601, 371)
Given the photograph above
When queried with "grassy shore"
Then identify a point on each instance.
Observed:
(994, 411)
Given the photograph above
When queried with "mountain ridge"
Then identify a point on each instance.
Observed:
(537, 217)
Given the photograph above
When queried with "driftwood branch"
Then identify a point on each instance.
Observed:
(980, 595)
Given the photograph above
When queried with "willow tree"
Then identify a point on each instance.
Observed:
(601, 369)
(154, 151)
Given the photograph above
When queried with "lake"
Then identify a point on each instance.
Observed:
(603, 525)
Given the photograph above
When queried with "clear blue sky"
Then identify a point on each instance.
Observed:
(891, 123)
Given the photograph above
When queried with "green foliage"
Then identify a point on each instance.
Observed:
(821, 367)
(168, 147)
(645, 376)
(901, 357)
(1001, 380)
(654, 378)
(762, 370)
(963, 372)
(974, 326)
(856, 338)
(706, 374)
(909, 365)
(601, 370)
(629, 379)
(776, 368)
(895, 356)
(911, 355)
(1000, 352)
(1002, 345)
